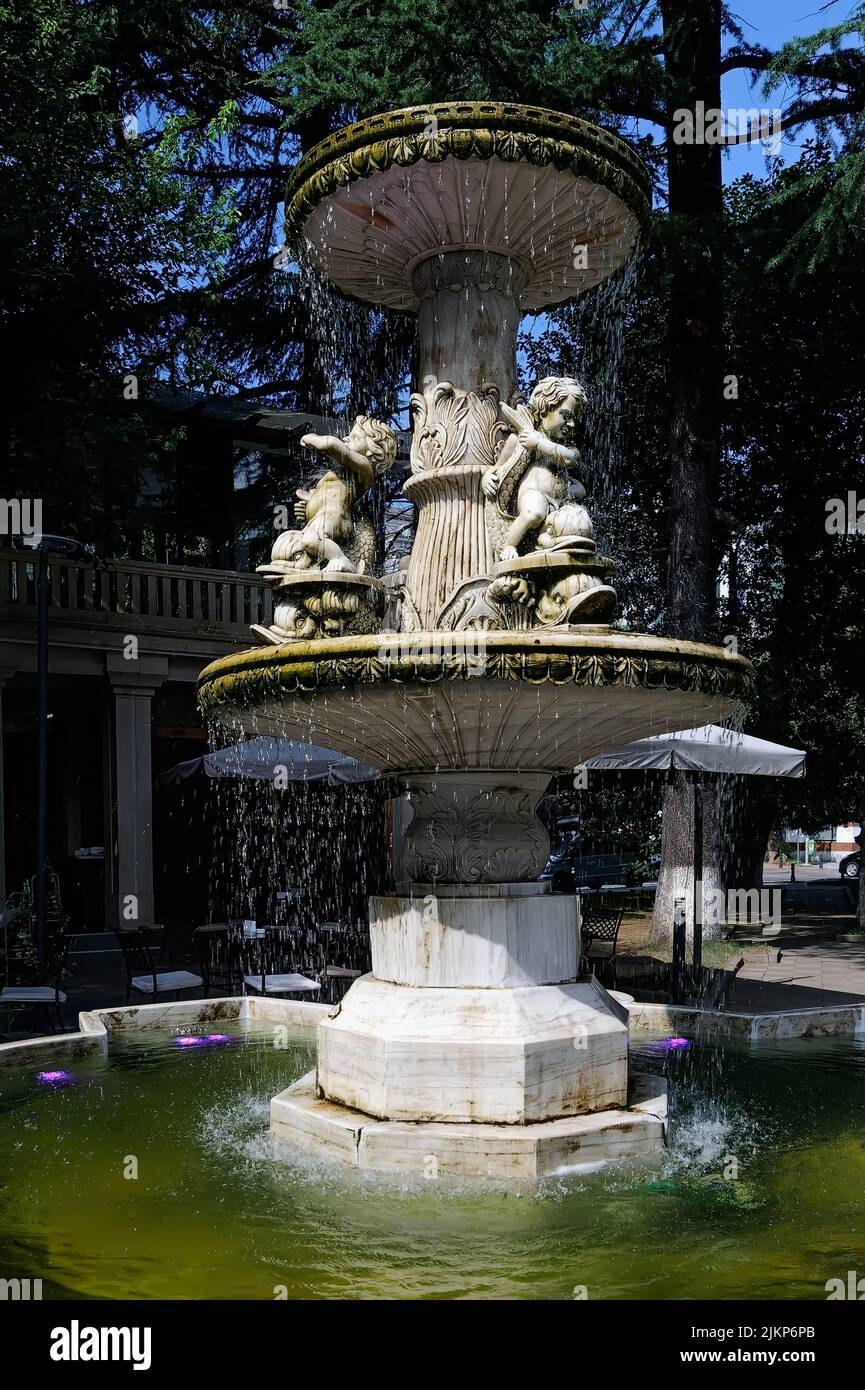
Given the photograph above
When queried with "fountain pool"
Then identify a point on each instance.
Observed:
(221, 1209)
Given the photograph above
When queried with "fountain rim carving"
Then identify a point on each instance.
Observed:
(541, 136)
(588, 656)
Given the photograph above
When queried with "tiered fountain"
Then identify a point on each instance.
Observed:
(474, 1047)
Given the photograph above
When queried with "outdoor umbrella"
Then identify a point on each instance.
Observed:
(707, 749)
(259, 758)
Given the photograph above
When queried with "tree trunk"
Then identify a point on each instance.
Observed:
(676, 879)
(692, 55)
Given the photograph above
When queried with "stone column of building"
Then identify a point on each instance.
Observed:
(129, 857)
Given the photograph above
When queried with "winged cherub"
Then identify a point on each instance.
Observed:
(534, 463)
(324, 513)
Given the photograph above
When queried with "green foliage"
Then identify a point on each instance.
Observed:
(829, 199)
(796, 440)
(791, 57)
(365, 57)
(828, 193)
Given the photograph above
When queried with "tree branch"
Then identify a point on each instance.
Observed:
(829, 109)
(846, 65)
(267, 389)
(226, 172)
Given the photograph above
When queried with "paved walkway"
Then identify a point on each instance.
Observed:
(778, 975)
(806, 977)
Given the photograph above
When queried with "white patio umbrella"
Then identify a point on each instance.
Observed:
(711, 749)
(262, 757)
(707, 749)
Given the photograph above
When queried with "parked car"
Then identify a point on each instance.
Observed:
(571, 868)
(849, 866)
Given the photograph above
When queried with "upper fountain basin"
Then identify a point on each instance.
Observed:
(563, 199)
(454, 700)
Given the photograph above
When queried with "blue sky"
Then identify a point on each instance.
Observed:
(771, 23)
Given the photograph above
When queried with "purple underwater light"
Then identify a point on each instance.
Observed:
(666, 1045)
(201, 1040)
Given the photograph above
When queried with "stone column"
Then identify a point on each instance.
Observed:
(130, 854)
(467, 327)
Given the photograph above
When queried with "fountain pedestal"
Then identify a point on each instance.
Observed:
(458, 1021)
(473, 1048)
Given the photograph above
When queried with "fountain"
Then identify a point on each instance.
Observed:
(474, 1046)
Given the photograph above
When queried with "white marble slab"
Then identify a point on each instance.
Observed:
(497, 942)
(437, 1150)
(505, 1056)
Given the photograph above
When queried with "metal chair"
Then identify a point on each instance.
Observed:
(212, 951)
(48, 993)
(334, 936)
(599, 931)
(143, 974)
(262, 967)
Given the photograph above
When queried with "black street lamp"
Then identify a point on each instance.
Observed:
(45, 547)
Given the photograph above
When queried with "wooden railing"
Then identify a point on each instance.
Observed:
(136, 595)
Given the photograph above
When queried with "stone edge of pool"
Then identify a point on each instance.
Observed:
(302, 1019)
(94, 1028)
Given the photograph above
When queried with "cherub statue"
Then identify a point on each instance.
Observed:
(324, 513)
(534, 463)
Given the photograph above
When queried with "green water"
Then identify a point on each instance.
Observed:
(218, 1210)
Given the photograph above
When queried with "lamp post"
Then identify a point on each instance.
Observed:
(45, 547)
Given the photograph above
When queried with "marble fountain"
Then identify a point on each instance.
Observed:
(474, 1046)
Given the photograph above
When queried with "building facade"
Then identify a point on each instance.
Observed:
(127, 640)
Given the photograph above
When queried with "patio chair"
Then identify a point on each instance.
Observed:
(262, 967)
(212, 950)
(144, 976)
(599, 932)
(48, 993)
(333, 939)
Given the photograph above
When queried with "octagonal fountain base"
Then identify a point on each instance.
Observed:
(436, 1149)
(474, 1048)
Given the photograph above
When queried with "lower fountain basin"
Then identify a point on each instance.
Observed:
(221, 1209)
(479, 1023)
